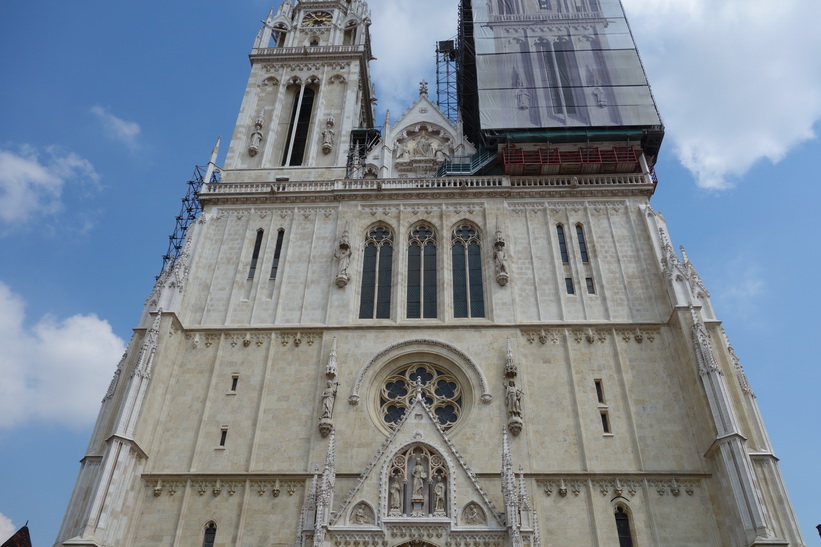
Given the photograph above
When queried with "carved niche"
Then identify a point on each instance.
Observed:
(421, 149)
(418, 483)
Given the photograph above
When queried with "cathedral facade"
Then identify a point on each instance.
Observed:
(437, 333)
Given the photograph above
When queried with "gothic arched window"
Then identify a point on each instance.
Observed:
(255, 255)
(440, 390)
(210, 534)
(375, 300)
(582, 243)
(297, 136)
(562, 243)
(468, 293)
(422, 272)
(623, 527)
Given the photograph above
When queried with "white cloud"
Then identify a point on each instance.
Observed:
(56, 370)
(7, 528)
(737, 81)
(404, 42)
(116, 128)
(32, 181)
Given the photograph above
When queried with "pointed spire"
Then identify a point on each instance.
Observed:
(212, 163)
(510, 366)
(508, 477)
(524, 498)
(330, 370)
(692, 275)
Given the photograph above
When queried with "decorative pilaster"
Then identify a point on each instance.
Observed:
(325, 496)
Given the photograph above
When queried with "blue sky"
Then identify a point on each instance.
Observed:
(106, 107)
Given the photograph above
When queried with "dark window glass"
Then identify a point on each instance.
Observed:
(210, 535)
(591, 289)
(599, 391)
(375, 297)
(383, 295)
(422, 273)
(623, 528)
(223, 437)
(299, 126)
(468, 293)
(255, 255)
(568, 282)
(562, 242)
(277, 253)
(234, 381)
(460, 286)
(605, 422)
(582, 244)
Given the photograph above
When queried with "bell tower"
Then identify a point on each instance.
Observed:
(308, 89)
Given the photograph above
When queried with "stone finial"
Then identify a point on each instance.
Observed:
(423, 88)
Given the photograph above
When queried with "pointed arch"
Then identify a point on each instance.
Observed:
(624, 529)
(466, 262)
(377, 272)
(422, 268)
(209, 535)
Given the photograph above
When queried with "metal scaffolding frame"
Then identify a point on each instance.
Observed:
(447, 96)
(189, 211)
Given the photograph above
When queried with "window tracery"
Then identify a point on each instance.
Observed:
(375, 297)
(422, 272)
(418, 483)
(468, 293)
(440, 390)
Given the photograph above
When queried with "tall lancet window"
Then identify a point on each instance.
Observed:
(210, 534)
(422, 273)
(255, 256)
(623, 527)
(298, 129)
(375, 300)
(468, 293)
(582, 243)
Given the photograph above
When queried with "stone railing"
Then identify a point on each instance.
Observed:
(347, 185)
(306, 50)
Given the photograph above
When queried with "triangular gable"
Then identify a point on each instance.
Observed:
(466, 504)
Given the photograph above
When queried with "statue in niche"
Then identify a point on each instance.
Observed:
(424, 148)
(513, 399)
(401, 151)
(256, 138)
(328, 136)
(343, 257)
(395, 495)
(523, 98)
(439, 497)
(328, 397)
(473, 515)
(419, 477)
(361, 516)
(500, 259)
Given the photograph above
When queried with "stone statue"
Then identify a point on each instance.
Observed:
(472, 515)
(328, 396)
(424, 148)
(395, 495)
(328, 136)
(419, 477)
(360, 516)
(523, 98)
(439, 497)
(513, 399)
(343, 257)
(256, 138)
(500, 259)
(401, 151)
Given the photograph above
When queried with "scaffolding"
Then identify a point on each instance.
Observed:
(446, 93)
(362, 141)
(189, 211)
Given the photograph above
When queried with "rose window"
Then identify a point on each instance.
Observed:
(440, 390)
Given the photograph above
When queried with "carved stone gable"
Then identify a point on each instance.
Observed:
(417, 478)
